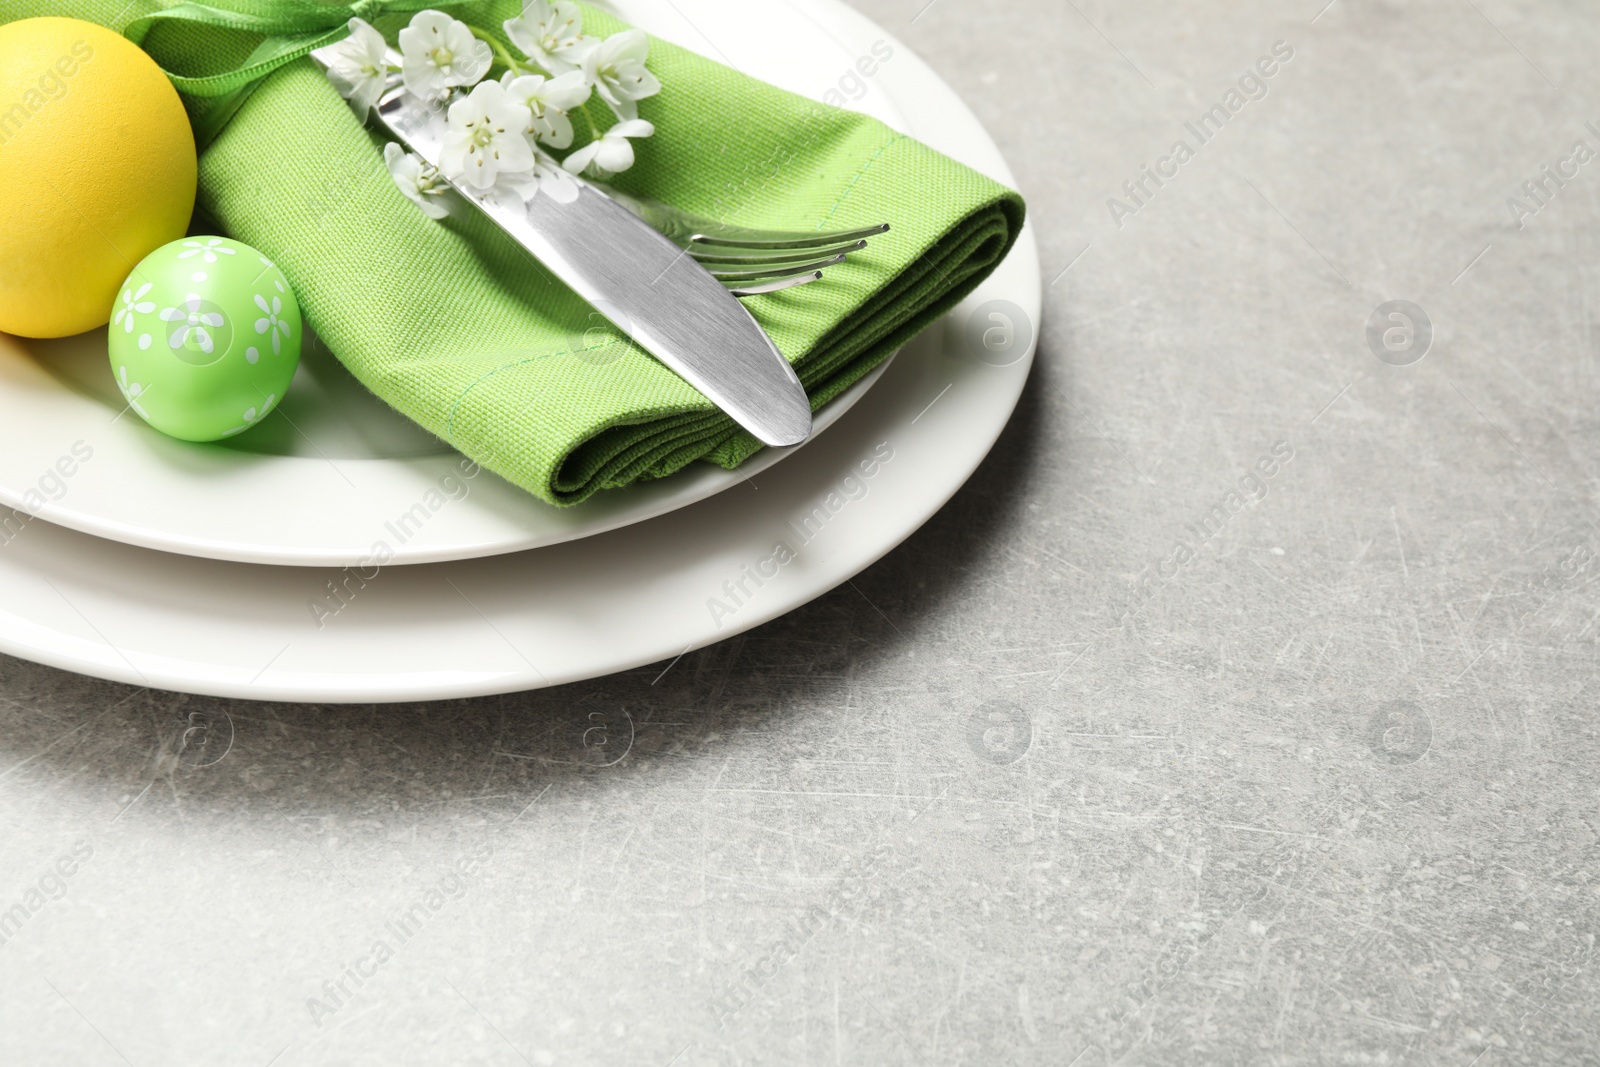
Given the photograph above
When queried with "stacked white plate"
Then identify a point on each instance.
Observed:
(250, 568)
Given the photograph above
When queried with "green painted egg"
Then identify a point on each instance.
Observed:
(204, 338)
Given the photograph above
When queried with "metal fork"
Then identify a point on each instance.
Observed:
(747, 260)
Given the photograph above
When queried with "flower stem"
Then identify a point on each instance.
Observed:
(502, 53)
(594, 130)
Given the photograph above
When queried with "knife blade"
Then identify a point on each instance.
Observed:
(643, 283)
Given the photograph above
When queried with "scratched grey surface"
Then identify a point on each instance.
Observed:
(1042, 788)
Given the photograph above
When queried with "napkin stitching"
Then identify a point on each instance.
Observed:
(450, 420)
(852, 183)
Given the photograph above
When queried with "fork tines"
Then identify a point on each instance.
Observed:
(754, 262)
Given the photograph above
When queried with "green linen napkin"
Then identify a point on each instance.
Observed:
(456, 327)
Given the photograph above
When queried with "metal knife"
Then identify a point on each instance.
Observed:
(643, 283)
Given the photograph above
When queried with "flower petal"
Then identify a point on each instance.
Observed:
(632, 128)
(513, 154)
(615, 154)
(567, 91)
(580, 160)
(555, 129)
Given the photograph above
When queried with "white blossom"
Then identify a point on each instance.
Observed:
(359, 66)
(418, 180)
(549, 100)
(440, 54)
(486, 137)
(616, 68)
(496, 133)
(551, 34)
(612, 152)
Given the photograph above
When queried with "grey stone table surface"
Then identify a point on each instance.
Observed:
(1239, 710)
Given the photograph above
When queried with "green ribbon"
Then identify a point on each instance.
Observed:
(290, 30)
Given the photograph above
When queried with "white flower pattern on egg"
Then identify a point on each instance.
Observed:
(131, 392)
(254, 415)
(193, 324)
(133, 302)
(210, 250)
(271, 324)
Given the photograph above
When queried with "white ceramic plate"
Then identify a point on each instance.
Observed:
(633, 596)
(314, 484)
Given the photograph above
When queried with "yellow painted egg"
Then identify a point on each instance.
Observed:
(97, 161)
